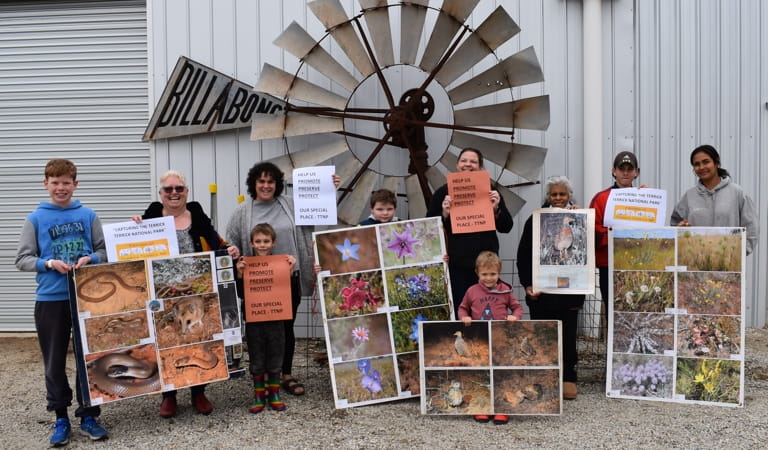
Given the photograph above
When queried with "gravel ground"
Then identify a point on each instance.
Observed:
(591, 421)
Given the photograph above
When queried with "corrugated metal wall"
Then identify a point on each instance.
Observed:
(702, 78)
(73, 84)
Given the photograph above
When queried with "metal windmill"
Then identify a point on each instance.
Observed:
(398, 120)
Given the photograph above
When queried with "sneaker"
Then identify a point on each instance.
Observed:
(201, 404)
(168, 407)
(500, 419)
(89, 427)
(482, 418)
(61, 431)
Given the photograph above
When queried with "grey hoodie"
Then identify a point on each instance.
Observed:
(724, 206)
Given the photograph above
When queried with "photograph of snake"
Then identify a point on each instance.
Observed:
(112, 288)
(121, 374)
(116, 330)
(194, 364)
(186, 320)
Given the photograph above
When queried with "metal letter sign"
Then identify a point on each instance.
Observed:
(198, 99)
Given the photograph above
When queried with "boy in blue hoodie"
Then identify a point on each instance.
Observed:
(57, 237)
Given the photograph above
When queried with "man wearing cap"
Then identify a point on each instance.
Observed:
(624, 172)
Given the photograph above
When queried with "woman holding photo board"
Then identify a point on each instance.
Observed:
(195, 233)
(542, 306)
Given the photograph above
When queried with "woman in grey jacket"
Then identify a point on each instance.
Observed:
(715, 201)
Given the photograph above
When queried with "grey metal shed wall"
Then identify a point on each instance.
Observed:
(73, 84)
(702, 78)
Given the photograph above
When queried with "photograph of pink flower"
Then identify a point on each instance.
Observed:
(708, 336)
(347, 250)
(364, 381)
(352, 294)
(411, 242)
(526, 391)
(405, 325)
(358, 337)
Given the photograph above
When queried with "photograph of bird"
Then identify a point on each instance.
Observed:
(564, 237)
(460, 345)
(526, 349)
(455, 395)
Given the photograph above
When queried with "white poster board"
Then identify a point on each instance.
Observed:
(636, 208)
(152, 238)
(564, 251)
(314, 196)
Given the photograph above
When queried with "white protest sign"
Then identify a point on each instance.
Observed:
(636, 207)
(152, 238)
(314, 196)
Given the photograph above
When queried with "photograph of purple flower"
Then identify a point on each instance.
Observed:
(411, 242)
(347, 250)
(352, 294)
(405, 325)
(358, 337)
(642, 376)
(367, 380)
(416, 286)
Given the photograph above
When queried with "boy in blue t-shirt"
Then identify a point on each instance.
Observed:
(57, 237)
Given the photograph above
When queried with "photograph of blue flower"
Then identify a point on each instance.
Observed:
(405, 325)
(347, 250)
(415, 286)
(411, 242)
(364, 381)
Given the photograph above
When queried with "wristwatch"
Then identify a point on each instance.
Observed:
(49, 264)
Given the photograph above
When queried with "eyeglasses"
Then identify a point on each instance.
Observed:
(170, 189)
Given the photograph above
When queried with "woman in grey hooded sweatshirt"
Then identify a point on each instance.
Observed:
(715, 201)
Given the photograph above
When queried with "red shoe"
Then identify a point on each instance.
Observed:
(500, 419)
(201, 404)
(168, 407)
(482, 418)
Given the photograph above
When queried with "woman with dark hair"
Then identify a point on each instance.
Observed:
(715, 201)
(195, 233)
(542, 306)
(464, 248)
(266, 183)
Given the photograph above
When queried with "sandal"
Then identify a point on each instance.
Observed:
(292, 386)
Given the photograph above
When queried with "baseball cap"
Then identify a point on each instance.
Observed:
(625, 158)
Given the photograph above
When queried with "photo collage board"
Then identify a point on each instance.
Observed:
(377, 283)
(677, 317)
(491, 367)
(152, 325)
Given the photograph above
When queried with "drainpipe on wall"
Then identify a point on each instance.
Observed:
(593, 98)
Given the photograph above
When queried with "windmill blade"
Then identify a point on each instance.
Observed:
(530, 113)
(435, 177)
(310, 157)
(452, 16)
(412, 17)
(513, 201)
(417, 207)
(497, 29)
(283, 84)
(524, 160)
(517, 70)
(296, 41)
(391, 183)
(351, 209)
(268, 126)
(332, 15)
(347, 166)
(377, 22)
(449, 161)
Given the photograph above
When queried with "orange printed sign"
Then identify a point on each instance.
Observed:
(267, 288)
(636, 213)
(471, 208)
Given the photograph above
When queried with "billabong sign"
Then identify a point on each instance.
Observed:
(198, 99)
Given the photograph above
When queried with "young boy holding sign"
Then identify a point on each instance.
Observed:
(266, 340)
